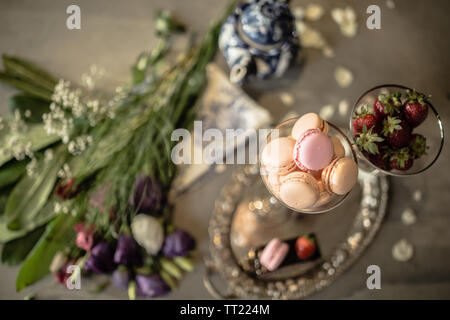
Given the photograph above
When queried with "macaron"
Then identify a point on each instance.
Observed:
(274, 182)
(324, 196)
(277, 156)
(273, 254)
(340, 176)
(299, 190)
(309, 121)
(339, 150)
(313, 150)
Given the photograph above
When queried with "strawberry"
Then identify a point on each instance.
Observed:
(418, 145)
(401, 159)
(415, 108)
(396, 131)
(387, 105)
(363, 118)
(381, 159)
(305, 247)
(368, 141)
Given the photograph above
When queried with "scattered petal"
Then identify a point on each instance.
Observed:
(343, 76)
(417, 195)
(328, 52)
(327, 112)
(314, 12)
(402, 250)
(390, 4)
(298, 12)
(343, 107)
(310, 37)
(346, 19)
(287, 98)
(408, 217)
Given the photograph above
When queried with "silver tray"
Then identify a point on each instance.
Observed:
(245, 217)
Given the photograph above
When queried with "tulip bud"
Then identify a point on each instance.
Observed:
(148, 232)
(121, 278)
(170, 267)
(178, 243)
(59, 260)
(101, 259)
(127, 252)
(184, 263)
(147, 196)
(151, 286)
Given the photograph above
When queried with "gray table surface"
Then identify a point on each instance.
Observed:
(411, 48)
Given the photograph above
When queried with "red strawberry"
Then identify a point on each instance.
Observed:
(401, 159)
(418, 145)
(381, 159)
(415, 108)
(305, 247)
(387, 105)
(363, 118)
(368, 141)
(396, 131)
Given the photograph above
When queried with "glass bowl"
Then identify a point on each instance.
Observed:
(284, 130)
(431, 128)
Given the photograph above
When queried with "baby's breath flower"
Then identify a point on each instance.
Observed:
(31, 167)
(64, 172)
(48, 155)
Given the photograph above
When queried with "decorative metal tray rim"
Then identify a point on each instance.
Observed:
(241, 285)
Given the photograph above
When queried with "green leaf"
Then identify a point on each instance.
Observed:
(35, 134)
(30, 71)
(8, 235)
(58, 235)
(15, 251)
(31, 192)
(11, 172)
(25, 86)
(26, 103)
(45, 214)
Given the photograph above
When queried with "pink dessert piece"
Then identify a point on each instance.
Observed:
(274, 254)
(314, 150)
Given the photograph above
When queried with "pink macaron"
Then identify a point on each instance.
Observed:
(273, 254)
(340, 176)
(299, 190)
(309, 121)
(313, 150)
(276, 156)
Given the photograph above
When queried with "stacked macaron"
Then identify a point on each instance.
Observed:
(305, 169)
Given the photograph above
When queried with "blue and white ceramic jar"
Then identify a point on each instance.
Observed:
(259, 40)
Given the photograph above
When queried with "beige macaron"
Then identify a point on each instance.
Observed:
(324, 197)
(340, 176)
(339, 150)
(276, 156)
(309, 121)
(299, 190)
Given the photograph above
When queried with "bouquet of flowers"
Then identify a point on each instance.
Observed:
(84, 179)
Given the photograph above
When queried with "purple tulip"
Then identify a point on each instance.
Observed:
(127, 252)
(101, 259)
(121, 278)
(151, 286)
(178, 243)
(147, 196)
